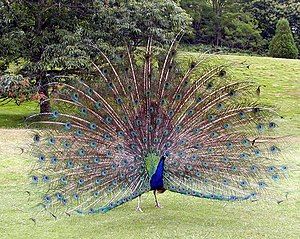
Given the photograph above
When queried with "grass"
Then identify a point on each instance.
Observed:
(182, 216)
(13, 116)
(280, 81)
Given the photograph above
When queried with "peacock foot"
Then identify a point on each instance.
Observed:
(158, 206)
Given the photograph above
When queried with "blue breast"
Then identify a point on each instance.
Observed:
(156, 181)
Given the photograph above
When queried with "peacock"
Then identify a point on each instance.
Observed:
(142, 122)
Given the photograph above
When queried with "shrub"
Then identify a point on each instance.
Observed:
(283, 44)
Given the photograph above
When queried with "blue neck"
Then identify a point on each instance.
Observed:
(156, 181)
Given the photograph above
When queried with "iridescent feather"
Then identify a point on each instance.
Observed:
(104, 141)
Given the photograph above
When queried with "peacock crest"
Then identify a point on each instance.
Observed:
(137, 124)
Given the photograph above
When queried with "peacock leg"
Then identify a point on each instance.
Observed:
(138, 208)
(156, 201)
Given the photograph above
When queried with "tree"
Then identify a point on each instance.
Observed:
(240, 32)
(207, 19)
(267, 12)
(282, 44)
(218, 7)
(28, 28)
(52, 38)
(202, 24)
(135, 21)
(223, 23)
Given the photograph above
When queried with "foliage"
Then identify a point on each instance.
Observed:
(135, 21)
(267, 13)
(41, 40)
(223, 23)
(240, 32)
(54, 38)
(282, 44)
(242, 24)
(28, 29)
(201, 13)
(15, 87)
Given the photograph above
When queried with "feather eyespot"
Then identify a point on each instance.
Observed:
(36, 138)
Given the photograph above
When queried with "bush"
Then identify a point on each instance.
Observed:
(283, 44)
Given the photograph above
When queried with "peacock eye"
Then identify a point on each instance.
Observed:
(36, 138)
(140, 119)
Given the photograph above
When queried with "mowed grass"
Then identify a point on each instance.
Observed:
(279, 80)
(182, 216)
(13, 116)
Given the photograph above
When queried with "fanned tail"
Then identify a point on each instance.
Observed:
(94, 151)
(223, 144)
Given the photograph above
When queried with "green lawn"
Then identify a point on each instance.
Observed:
(280, 80)
(182, 216)
(13, 116)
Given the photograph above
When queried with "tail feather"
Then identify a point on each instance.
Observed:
(93, 154)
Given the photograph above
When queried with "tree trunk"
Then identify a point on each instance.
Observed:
(45, 106)
(217, 8)
(218, 33)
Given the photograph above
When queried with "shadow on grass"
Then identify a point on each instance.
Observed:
(13, 116)
(12, 121)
